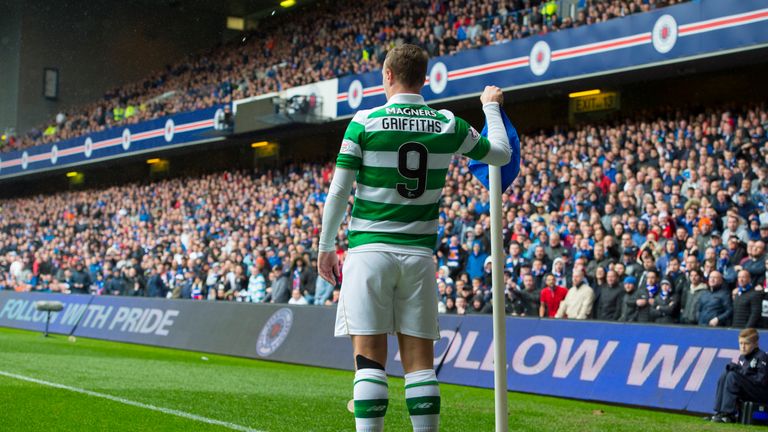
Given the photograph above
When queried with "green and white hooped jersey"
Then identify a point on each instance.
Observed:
(401, 152)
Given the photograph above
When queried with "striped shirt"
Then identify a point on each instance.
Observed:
(401, 152)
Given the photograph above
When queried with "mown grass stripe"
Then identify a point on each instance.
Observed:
(124, 401)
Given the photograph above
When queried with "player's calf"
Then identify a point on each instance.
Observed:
(371, 395)
(422, 396)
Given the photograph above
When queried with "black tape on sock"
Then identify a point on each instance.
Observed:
(366, 363)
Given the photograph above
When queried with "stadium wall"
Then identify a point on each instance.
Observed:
(669, 367)
(99, 45)
(10, 41)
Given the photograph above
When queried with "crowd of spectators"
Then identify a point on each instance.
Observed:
(660, 219)
(331, 39)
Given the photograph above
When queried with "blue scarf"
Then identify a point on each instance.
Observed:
(652, 289)
(743, 289)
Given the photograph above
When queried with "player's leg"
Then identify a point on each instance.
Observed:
(416, 324)
(422, 393)
(370, 386)
(365, 314)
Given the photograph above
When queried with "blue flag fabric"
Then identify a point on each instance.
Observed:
(509, 171)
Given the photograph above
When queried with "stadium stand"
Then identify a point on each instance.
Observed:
(662, 203)
(282, 54)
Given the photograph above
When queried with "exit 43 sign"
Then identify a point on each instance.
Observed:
(598, 102)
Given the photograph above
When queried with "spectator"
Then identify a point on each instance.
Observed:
(663, 309)
(755, 264)
(479, 306)
(610, 300)
(156, 286)
(551, 297)
(257, 285)
(690, 297)
(476, 261)
(301, 278)
(80, 281)
(634, 301)
(715, 307)
(747, 302)
(745, 379)
(297, 298)
(526, 301)
(281, 290)
(461, 306)
(579, 300)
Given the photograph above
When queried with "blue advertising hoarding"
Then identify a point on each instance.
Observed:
(672, 34)
(163, 133)
(669, 367)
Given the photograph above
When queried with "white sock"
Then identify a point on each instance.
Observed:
(371, 399)
(422, 396)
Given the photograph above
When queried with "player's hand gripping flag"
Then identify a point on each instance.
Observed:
(509, 171)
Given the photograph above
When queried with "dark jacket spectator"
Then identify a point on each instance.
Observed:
(663, 309)
(755, 264)
(114, 285)
(747, 308)
(156, 286)
(634, 301)
(715, 306)
(80, 282)
(527, 300)
(281, 288)
(611, 297)
(747, 302)
(689, 299)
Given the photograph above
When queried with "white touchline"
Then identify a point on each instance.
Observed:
(132, 403)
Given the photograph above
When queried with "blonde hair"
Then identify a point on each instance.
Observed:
(750, 334)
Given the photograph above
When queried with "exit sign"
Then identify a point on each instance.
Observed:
(598, 102)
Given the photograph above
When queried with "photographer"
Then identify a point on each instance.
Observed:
(745, 380)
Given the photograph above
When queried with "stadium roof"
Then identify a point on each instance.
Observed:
(241, 8)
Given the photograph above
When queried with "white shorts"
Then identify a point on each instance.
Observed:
(386, 292)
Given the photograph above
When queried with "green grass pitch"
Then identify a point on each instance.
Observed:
(264, 396)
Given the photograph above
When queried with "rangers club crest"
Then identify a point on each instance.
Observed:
(88, 147)
(54, 154)
(126, 139)
(664, 35)
(540, 58)
(170, 128)
(275, 332)
(355, 94)
(438, 78)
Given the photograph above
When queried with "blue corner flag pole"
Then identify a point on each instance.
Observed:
(497, 180)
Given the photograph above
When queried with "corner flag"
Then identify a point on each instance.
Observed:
(509, 171)
(497, 180)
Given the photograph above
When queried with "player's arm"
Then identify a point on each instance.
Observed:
(495, 149)
(347, 163)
